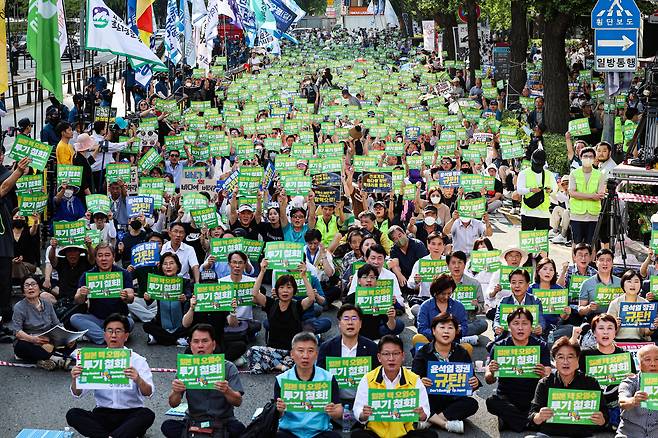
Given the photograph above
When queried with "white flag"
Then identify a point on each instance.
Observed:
(212, 21)
(106, 32)
(202, 54)
(61, 24)
(224, 9)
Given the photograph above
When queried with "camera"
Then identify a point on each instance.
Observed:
(104, 146)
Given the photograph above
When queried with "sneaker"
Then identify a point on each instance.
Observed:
(455, 426)
(473, 340)
(182, 342)
(552, 233)
(240, 362)
(47, 364)
(60, 361)
(151, 340)
(559, 239)
(423, 425)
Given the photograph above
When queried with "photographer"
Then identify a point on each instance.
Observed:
(101, 135)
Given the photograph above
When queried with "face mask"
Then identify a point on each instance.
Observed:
(18, 223)
(135, 225)
(587, 162)
(402, 241)
(435, 199)
(68, 193)
(429, 221)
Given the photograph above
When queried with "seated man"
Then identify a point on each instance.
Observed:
(348, 344)
(390, 375)
(101, 308)
(214, 406)
(119, 413)
(307, 424)
(636, 420)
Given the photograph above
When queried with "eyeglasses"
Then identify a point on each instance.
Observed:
(114, 331)
(30, 284)
(391, 354)
(174, 155)
(350, 318)
(298, 216)
(237, 262)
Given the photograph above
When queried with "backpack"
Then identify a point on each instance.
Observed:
(265, 425)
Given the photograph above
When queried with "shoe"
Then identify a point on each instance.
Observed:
(60, 361)
(423, 425)
(240, 362)
(47, 364)
(455, 426)
(552, 233)
(182, 342)
(151, 340)
(559, 239)
(473, 340)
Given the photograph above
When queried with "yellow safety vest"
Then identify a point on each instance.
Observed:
(328, 230)
(531, 182)
(586, 206)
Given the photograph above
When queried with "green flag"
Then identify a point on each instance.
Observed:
(43, 44)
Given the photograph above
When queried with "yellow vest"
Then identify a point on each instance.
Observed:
(531, 182)
(375, 380)
(328, 230)
(586, 206)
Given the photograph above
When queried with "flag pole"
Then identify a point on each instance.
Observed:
(68, 41)
(11, 71)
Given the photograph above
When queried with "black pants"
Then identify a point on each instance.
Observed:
(175, 428)
(30, 352)
(513, 414)
(453, 408)
(105, 422)
(535, 223)
(425, 433)
(5, 288)
(325, 434)
(162, 336)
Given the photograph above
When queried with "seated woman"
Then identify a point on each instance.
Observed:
(375, 326)
(546, 278)
(284, 315)
(34, 315)
(447, 411)
(167, 326)
(604, 327)
(567, 376)
(631, 284)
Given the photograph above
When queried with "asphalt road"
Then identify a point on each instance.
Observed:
(39, 399)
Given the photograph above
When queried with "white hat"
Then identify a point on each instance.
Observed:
(524, 254)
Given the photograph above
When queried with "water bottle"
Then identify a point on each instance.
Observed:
(68, 433)
(348, 419)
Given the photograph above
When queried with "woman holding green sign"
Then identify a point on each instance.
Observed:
(556, 299)
(631, 284)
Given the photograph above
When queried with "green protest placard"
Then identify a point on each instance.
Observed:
(302, 396)
(301, 287)
(174, 142)
(284, 255)
(297, 185)
(205, 216)
(534, 240)
(213, 297)
(466, 294)
(579, 127)
(98, 204)
(348, 371)
(69, 175)
(605, 294)
(506, 270)
(253, 249)
(471, 183)
(512, 149)
(149, 160)
(472, 208)
(166, 106)
(117, 171)
(393, 405)
(428, 269)
(506, 309)
(487, 261)
(553, 301)
(104, 284)
(147, 182)
(375, 300)
(31, 203)
(649, 384)
(163, 288)
(653, 243)
(95, 236)
(194, 201)
(103, 368)
(243, 293)
(575, 282)
(517, 361)
(609, 369)
(70, 233)
(200, 371)
(156, 194)
(29, 184)
(572, 406)
(35, 150)
(249, 179)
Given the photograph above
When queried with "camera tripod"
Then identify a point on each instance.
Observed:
(610, 221)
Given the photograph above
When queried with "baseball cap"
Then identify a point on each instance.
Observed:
(245, 207)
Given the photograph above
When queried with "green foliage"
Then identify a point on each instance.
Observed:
(556, 153)
(315, 7)
(498, 12)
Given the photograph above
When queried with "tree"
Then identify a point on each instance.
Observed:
(519, 46)
(473, 39)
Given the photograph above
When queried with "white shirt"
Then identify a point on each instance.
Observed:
(346, 351)
(125, 398)
(108, 232)
(242, 312)
(361, 399)
(424, 285)
(186, 255)
(384, 275)
(105, 158)
(492, 303)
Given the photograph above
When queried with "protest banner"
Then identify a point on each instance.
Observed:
(149, 160)
(377, 182)
(284, 255)
(29, 184)
(428, 269)
(553, 301)
(466, 294)
(145, 254)
(579, 127)
(534, 240)
(326, 195)
(69, 175)
(138, 205)
(348, 371)
(649, 384)
(213, 297)
(303, 396)
(609, 369)
(375, 300)
(163, 288)
(473, 208)
(223, 246)
(471, 183)
(194, 201)
(512, 149)
(506, 270)
(297, 185)
(32, 203)
(393, 405)
(637, 315)
(449, 378)
(253, 249)
(103, 368)
(98, 204)
(573, 406)
(117, 172)
(70, 233)
(205, 217)
(35, 150)
(505, 309)
(449, 178)
(605, 294)
(95, 236)
(301, 287)
(243, 293)
(575, 282)
(104, 284)
(200, 371)
(484, 260)
(517, 361)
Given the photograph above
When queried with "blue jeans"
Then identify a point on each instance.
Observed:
(582, 231)
(93, 325)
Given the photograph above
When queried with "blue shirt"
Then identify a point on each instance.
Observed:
(99, 82)
(428, 310)
(588, 290)
(550, 320)
(176, 172)
(529, 299)
(48, 135)
(290, 235)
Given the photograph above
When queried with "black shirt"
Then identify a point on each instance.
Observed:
(611, 391)
(283, 325)
(415, 250)
(129, 241)
(269, 233)
(251, 230)
(69, 275)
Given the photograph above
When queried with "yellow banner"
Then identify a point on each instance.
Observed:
(4, 77)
